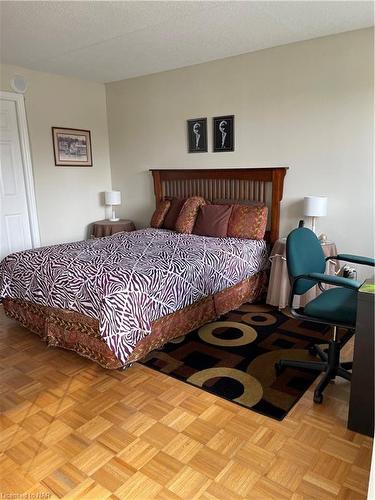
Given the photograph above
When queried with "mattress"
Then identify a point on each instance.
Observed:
(129, 280)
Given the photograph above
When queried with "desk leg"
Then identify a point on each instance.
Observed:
(361, 407)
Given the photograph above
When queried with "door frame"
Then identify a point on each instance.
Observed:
(27, 165)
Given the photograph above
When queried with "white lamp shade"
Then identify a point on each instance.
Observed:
(113, 198)
(315, 206)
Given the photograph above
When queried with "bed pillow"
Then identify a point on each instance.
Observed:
(188, 214)
(248, 221)
(173, 213)
(213, 220)
(161, 211)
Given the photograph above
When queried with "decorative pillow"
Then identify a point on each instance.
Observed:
(213, 220)
(173, 213)
(161, 211)
(248, 221)
(188, 215)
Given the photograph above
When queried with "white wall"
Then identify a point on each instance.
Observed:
(67, 197)
(306, 105)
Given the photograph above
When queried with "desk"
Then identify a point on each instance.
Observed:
(361, 406)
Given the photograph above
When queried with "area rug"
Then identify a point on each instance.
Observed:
(234, 358)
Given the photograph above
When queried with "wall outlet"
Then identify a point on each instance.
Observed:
(348, 271)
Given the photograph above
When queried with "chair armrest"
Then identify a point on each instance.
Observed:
(355, 259)
(332, 280)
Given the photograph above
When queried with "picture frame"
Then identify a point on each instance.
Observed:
(197, 135)
(223, 133)
(72, 147)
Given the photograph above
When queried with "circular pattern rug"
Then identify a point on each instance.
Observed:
(235, 357)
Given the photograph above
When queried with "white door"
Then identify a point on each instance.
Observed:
(16, 228)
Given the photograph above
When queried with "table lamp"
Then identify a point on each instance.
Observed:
(113, 198)
(315, 206)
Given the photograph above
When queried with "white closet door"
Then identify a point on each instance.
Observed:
(15, 230)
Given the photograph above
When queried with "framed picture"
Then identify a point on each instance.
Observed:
(223, 127)
(72, 147)
(197, 135)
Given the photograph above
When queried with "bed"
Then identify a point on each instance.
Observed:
(115, 299)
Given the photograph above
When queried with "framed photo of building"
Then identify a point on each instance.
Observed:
(197, 135)
(223, 130)
(72, 147)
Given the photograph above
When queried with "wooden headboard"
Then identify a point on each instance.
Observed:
(232, 184)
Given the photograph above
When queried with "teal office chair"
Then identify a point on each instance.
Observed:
(335, 306)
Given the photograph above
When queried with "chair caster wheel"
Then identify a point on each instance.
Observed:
(312, 350)
(318, 398)
(278, 368)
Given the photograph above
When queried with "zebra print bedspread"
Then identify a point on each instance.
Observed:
(128, 280)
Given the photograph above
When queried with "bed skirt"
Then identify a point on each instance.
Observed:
(80, 333)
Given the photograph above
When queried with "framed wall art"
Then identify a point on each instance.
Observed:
(223, 130)
(197, 135)
(72, 147)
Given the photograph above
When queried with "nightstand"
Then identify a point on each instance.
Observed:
(107, 228)
(279, 287)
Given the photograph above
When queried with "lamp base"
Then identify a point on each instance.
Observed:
(113, 218)
(313, 224)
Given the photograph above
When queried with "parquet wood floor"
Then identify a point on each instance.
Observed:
(71, 429)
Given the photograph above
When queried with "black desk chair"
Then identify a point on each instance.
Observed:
(335, 306)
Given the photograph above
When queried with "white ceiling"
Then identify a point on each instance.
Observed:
(107, 41)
